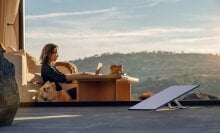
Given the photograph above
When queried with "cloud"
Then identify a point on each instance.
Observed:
(97, 42)
(196, 39)
(204, 17)
(62, 14)
(144, 32)
(88, 43)
(152, 3)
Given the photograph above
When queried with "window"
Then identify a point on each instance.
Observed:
(162, 42)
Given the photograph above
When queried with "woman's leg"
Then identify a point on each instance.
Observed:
(72, 92)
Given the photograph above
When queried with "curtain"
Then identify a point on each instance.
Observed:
(8, 14)
(3, 23)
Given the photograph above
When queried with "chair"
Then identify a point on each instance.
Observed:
(27, 74)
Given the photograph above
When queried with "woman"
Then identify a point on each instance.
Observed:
(49, 72)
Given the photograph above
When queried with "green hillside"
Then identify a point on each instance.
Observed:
(159, 70)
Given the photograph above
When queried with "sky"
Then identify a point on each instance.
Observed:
(83, 28)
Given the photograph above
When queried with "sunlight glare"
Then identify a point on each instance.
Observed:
(46, 117)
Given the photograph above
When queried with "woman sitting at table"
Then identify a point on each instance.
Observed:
(50, 73)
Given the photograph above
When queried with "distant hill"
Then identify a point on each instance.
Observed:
(159, 70)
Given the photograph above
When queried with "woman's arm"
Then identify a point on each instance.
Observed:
(71, 77)
(52, 74)
(74, 76)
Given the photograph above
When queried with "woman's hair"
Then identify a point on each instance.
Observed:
(47, 51)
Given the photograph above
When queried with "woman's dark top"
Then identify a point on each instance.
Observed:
(50, 73)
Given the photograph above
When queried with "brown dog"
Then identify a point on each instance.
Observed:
(116, 69)
(48, 93)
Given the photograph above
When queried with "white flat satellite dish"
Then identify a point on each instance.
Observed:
(163, 97)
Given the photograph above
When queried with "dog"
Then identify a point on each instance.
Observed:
(48, 93)
(116, 69)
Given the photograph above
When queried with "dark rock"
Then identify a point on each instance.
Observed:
(9, 97)
(200, 96)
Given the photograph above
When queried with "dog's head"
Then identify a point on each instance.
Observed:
(47, 92)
